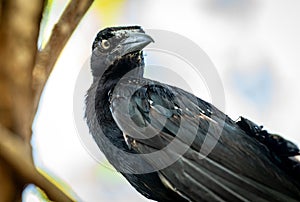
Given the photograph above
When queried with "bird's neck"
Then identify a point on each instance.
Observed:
(131, 65)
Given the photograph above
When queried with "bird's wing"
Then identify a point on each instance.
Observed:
(168, 125)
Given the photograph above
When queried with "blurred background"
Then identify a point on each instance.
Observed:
(254, 45)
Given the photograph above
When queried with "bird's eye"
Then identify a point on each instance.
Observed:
(105, 44)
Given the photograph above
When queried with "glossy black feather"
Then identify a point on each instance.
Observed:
(247, 163)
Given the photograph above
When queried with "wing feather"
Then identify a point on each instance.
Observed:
(239, 168)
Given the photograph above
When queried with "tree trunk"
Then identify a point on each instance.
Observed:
(23, 73)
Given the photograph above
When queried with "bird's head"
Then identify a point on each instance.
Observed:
(114, 43)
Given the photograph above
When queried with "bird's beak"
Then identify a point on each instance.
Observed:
(135, 42)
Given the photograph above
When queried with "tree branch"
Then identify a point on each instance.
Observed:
(60, 34)
(18, 156)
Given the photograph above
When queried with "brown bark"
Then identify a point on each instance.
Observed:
(19, 30)
(7, 190)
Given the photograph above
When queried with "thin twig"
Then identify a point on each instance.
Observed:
(45, 62)
(60, 34)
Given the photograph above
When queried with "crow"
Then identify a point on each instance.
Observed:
(158, 136)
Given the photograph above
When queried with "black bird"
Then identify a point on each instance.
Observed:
(130, 117)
